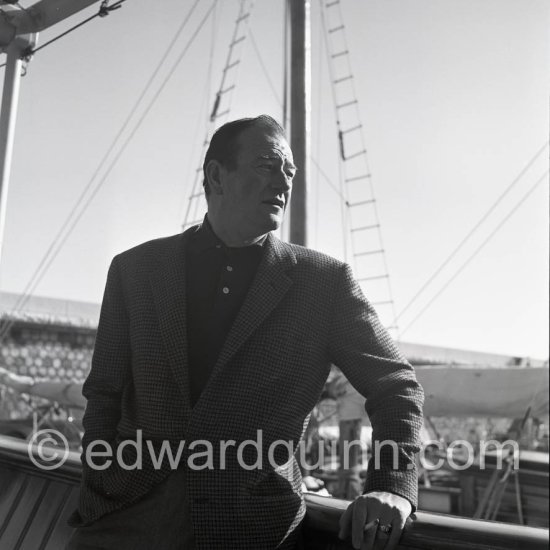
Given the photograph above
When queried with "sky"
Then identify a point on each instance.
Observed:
(453, 98)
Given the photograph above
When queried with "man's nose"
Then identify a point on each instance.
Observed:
(281, 181)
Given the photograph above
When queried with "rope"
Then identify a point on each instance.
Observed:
(473, 230)
(342, 190)
(344, 166)
(327, 180)
(491, 235)
(47, 261)
(104, 10)
(192, 211)
(201, 115)
(262, 65)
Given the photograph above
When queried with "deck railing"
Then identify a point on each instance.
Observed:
(35, 504)
(427, 531)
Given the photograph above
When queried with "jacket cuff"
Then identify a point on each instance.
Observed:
(403, 484)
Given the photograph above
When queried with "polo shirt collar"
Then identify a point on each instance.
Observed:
(205, 239)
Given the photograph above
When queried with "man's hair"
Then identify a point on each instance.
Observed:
(224, 145)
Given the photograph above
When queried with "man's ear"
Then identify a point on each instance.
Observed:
(214, 175)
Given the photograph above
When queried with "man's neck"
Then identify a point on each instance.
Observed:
(231, 237)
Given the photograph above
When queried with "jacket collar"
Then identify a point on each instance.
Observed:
(168, 287)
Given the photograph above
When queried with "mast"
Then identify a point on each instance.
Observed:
(16, 52)
(300, 114)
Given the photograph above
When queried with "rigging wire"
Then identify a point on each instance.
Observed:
(472, 231)
(202, 112)
(476, 252)
(394, 324)
(342, 192)
(328, 180)
(262, 65)
(348, 77)
(280, 102)
(104, 10)
(342, 68)
(80, 199)
(243, 16)
(47, 261)
(193, 205)
(211, 56)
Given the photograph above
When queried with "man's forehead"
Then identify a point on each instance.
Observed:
(259, 142)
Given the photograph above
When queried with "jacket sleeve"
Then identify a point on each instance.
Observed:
(361, 347)
(111, 370)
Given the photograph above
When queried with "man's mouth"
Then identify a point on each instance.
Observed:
(275, 202)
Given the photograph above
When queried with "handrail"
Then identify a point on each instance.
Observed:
(428, 532)
(15, 453)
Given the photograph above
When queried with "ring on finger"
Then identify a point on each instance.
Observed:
(370, 525)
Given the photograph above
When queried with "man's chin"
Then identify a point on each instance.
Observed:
(265, 224)
(274, 222)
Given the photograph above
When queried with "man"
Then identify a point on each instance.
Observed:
(221, 335)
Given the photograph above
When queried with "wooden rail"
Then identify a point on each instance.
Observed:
(427, 531)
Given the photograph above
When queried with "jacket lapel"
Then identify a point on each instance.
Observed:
(268, 288)
(168, 284)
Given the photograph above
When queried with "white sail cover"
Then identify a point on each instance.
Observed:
(476, 391)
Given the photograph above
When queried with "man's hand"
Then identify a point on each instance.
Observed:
(375, 520)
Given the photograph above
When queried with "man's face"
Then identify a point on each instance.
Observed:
(256, 192)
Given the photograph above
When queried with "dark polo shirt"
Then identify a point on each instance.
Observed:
(217, 280)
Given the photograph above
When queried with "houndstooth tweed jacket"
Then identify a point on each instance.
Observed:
(303, 312)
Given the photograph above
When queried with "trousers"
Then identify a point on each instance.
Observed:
(160, 520)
